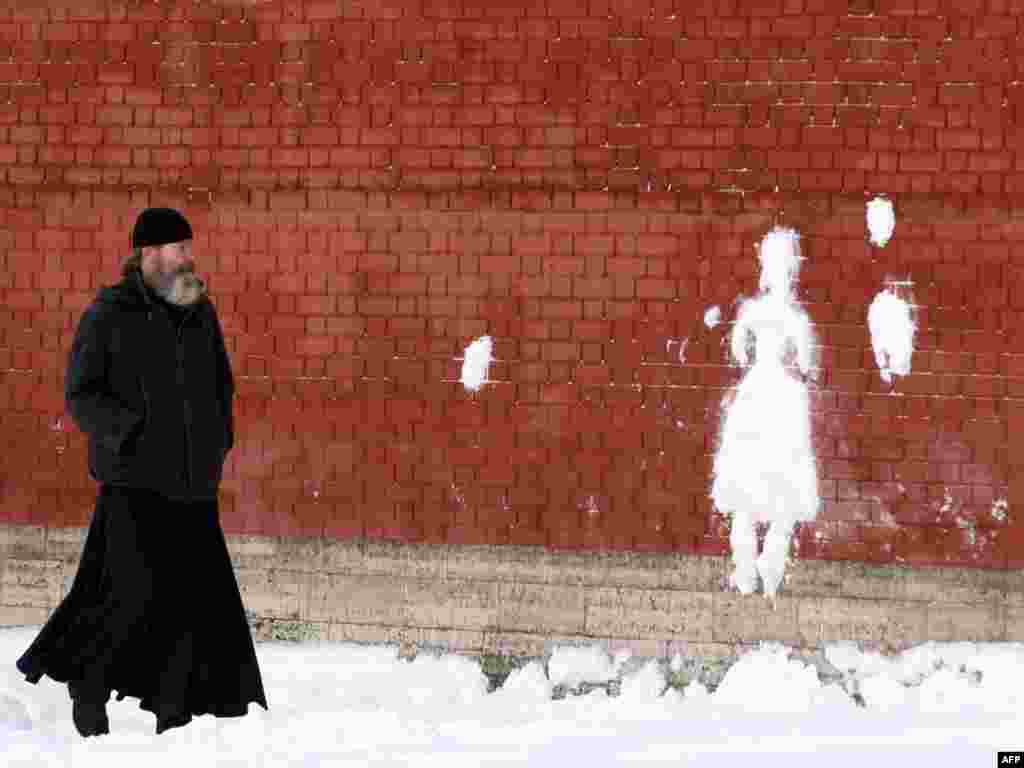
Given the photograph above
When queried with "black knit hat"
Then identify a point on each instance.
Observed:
(159, 226)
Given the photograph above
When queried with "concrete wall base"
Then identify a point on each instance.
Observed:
(522, 601)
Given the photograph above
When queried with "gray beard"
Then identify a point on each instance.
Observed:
(183, 290)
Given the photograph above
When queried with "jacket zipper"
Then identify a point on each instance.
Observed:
(185, 404)
(147, 417)
(181, 376)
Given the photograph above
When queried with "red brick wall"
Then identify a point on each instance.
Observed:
(375, 183)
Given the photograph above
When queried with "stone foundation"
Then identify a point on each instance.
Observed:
(520, 601)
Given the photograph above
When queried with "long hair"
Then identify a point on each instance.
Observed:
(133, 261)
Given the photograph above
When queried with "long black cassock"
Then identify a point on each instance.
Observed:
(154, 611)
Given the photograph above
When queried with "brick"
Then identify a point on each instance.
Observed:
(655, 289)
(27, 542)
(1014, 624)
(24, 615)
(948, 622)
(824, 620)
(925, 585)
(453, 604)
(920, 161)
(957, 95)
(493, 263)
(540, 608)
(592, 201)
(362, 599)
(35, 583)
(793, 26)
(646, 613)
(736, 616)
(958, 138)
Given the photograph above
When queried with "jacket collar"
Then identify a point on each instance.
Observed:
(152, 300)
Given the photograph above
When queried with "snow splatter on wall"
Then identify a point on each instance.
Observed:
(712, 317)
(881, 220)
(476, 362)
(892, 334)
(765, 470)
(999, 510)
(682, 348)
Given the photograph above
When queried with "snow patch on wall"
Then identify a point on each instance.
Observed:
(881, 220)
(476, 362)
(948, 504)
(892, 327)
(999, 510)
(456, 497)
(970, 529)
(682, 348)
(590, 506)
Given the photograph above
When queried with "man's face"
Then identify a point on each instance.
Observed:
(169, 269)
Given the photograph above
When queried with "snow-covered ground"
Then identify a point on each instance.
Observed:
(342, 705)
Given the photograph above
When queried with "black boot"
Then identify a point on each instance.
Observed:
(89, 710)
(176, 721)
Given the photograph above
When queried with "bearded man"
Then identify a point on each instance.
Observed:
(154, 611)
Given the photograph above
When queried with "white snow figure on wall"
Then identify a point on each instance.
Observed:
(764, 471)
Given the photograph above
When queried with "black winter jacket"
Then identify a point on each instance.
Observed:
(154, 396)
